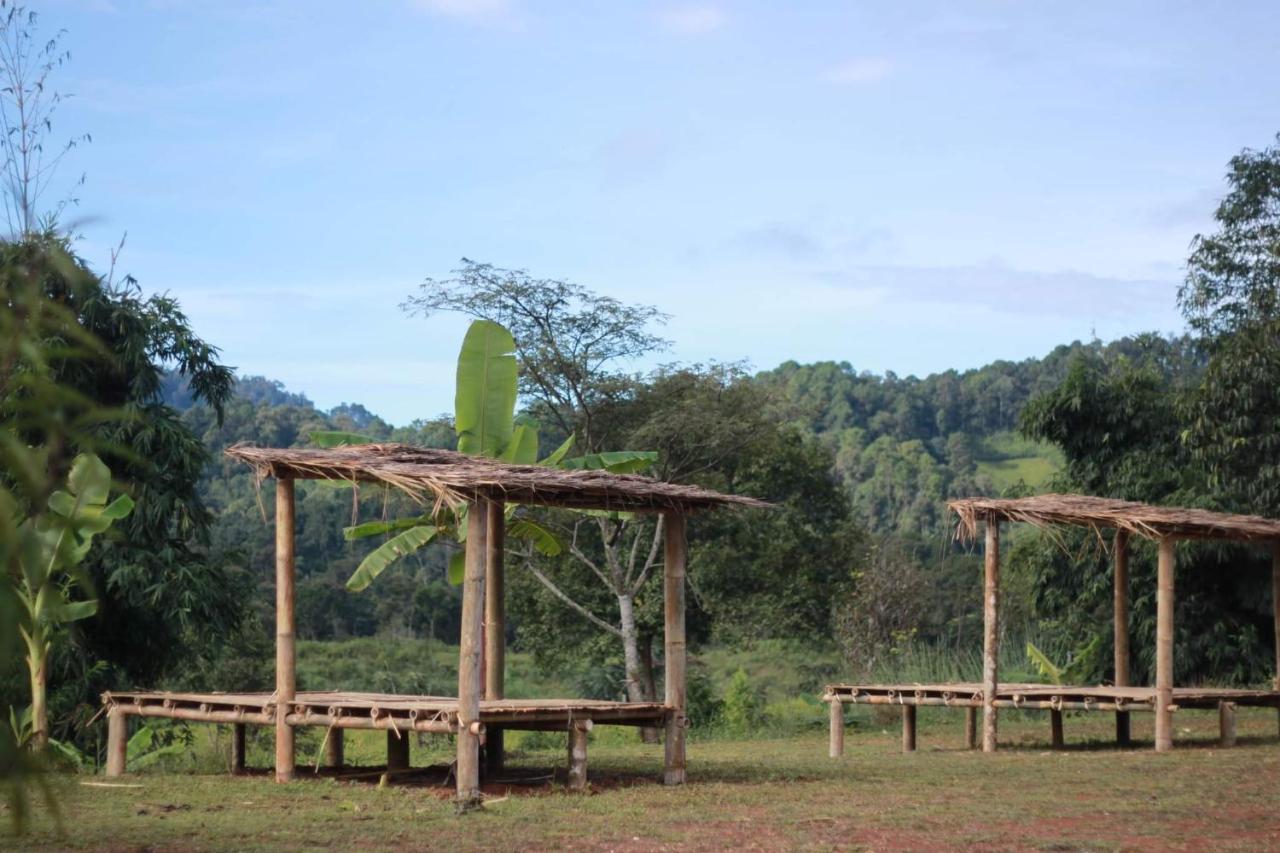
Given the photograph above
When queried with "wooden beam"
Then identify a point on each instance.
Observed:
(397, 750)
(117, 741)
(1164, 645)
(286, 660)
(335, 747)
(990, 634)
(1226, 723)
(908, 728)
(1055, 728)
(676, 651)
(1120, 627)
(469, 652)
(971, 728)
(238, 748)
(836, 746)
(495, 628)
(1275, 607)
(578, 730)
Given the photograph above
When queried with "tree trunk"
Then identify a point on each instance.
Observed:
(649, 734)
(631, 658)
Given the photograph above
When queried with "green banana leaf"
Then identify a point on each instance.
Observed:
(547, 543)
(458, 568)
(615, 462)
(387, 553)
(522, 449)
(377, 528)
(485, 400)
(557, 456)
(338, 438)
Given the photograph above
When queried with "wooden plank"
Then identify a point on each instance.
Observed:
(1165, 569)
(990, 634)
(117, 741)
(286, 660)
(836, 745)
(469, 652)
(1120, 626)
(676, 652)
(495, 628)
(908, 728)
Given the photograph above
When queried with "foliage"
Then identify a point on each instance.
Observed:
(743, 707)
(882, 614)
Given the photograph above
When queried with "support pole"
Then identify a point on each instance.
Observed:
(990, 634)
(908, 728)
(1121, 628)
(397, 750)
(1275, 607)
(673, 600)
(836, 748)
(286, 679)
(117, 741)
(237, 748)
(469, 652)
(578, 754)
(1164, 645)
(495, 628)
(1226, 724)
(971, 728)
(1055, 728)
(335, 748)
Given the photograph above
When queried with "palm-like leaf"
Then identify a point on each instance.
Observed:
(485, 396)
(388, 552)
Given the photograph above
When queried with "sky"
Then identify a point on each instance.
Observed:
(903, 186)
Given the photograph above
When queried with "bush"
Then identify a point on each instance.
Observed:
(743, 705)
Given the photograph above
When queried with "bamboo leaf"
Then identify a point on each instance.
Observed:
(387, 553)
(485, 400)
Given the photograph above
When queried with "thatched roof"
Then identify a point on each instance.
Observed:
(450, 478)
(1152, 522)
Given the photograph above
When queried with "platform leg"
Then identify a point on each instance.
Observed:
(117, 741)
(237, 748)
(1055, 728)
(1226, 724)
(908, 728)
(836, 748)
(971, 728)
(397, 750)
(335, 748)
(493, 752)
(1123, 736)
(578, 755)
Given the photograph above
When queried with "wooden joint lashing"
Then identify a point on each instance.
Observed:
(476, 728)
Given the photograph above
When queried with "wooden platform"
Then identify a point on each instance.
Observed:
(382, 710)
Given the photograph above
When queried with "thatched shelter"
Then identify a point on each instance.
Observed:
(1122, 520)
(478, 714)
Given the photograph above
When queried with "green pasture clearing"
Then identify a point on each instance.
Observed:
(1006, 458)
(762, 793)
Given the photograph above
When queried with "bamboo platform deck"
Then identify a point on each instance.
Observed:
(1053, 698)
(343, 709)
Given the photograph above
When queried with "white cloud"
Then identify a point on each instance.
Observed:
(477, 11)
(860, 71)
(692, 20)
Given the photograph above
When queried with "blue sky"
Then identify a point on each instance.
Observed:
(905, 186)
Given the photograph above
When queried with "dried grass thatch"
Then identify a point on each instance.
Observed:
(445, 477)
(1151, 522)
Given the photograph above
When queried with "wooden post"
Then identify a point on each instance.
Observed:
(117, 741)
(397, 750)
(908, 728)
(578, 754)
(971, 728)
(286, 679)
(1164, 644)
(1120, 627)
(495, 626)
(990, 634)
(1055, 728)
(335, 748)
(469, 652)
(836, 748)
(1275, 607)
(237, 748)
(1226, 723)
(673, 599)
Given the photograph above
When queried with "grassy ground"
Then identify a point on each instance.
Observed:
(761, 794)
(1007, 458)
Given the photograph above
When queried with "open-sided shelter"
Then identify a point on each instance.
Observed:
(446, 479)
(1125, 519)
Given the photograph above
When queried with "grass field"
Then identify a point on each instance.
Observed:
(1007, 458)
(755, 794)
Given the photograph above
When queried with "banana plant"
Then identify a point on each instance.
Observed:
(486, 425)
(51, 546)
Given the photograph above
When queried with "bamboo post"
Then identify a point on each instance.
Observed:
(335, 748)
(1226, 723)
(673, 601)
(397, 750)
(578, 730)
(117, 741)
(990, 634)
(1055, 728)
(908, 728)
(469, 652)
(286, 679)
(837, 729)
(1121, 628)
(1275, 607)
(1164, 645)
(495, 624)
(237, 748)
(971, 728)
